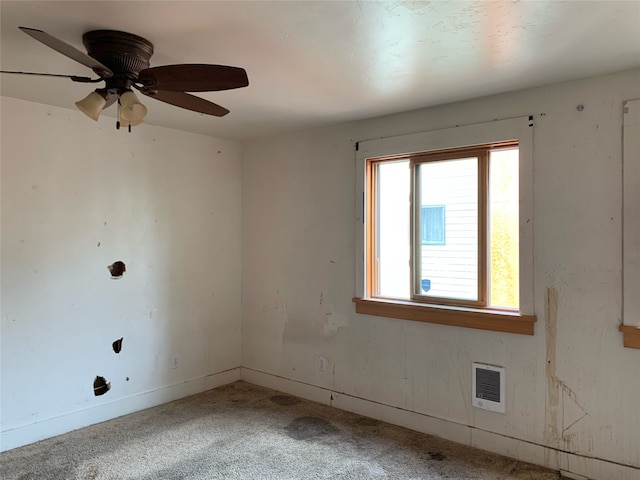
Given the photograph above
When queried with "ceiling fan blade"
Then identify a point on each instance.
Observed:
(68, 51)
(193, 77)
(190, 102)
(74, 78)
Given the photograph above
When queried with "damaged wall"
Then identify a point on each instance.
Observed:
(77, 198)
(571, 387)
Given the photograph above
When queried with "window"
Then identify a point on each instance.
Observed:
(478, 266)
(432, 226)
(442, 237)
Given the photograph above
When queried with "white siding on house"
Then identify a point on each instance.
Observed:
(452, 268)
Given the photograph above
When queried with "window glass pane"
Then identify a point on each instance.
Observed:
(393, 230)
(449, 269)
(503, 228)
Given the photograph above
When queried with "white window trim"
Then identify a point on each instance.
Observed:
(520, 128)
(631, 224)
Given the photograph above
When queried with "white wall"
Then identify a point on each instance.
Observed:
(172, 208)
(77, 196)
(572, 389)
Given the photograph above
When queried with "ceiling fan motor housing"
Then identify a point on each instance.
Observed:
(124, 53)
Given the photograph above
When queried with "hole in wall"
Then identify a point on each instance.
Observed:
(117, 269)
(117, 345)
(100, 386)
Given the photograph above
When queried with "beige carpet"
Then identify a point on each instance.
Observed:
(243, 432)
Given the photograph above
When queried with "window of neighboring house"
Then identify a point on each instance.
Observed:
(441, 231)
(432, 225)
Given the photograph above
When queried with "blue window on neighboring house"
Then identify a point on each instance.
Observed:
(432, 225)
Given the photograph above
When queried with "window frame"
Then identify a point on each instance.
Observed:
(497, 132)
(630, 326)
(482, 153)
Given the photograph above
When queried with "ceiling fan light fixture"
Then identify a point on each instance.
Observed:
(129, 123)
(92, 105)
(131, 110)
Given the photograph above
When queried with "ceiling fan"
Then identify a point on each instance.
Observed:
(121, 60)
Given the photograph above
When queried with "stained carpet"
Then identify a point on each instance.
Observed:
(243, 432)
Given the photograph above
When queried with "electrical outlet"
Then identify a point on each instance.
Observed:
(321, 364)
(176, 362)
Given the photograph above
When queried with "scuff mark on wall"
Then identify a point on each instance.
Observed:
(275, 307)
(333, 322)
(405, 378)
(553, 394)
(333, 376)
(561, 399)
(572, 413)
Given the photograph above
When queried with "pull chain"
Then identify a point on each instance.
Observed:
(118, 113)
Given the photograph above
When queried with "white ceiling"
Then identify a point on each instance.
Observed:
(315, 63)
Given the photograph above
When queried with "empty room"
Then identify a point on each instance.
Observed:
(320, 240)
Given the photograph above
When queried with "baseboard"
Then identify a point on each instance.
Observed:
(24, 434)
(570, 464)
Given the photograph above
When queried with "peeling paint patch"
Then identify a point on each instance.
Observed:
(100, 386)
(117, 345)
(117, 269)
(333, 322)
(553, 395)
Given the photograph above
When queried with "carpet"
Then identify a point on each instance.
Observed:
(241, 432)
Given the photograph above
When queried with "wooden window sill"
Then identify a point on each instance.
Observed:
(630, 336)
(483, 319)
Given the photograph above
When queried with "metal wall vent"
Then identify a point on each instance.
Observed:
(488, 387)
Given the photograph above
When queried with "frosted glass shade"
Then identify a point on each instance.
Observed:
(92, 105)
(131, 110)
(126, 123)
